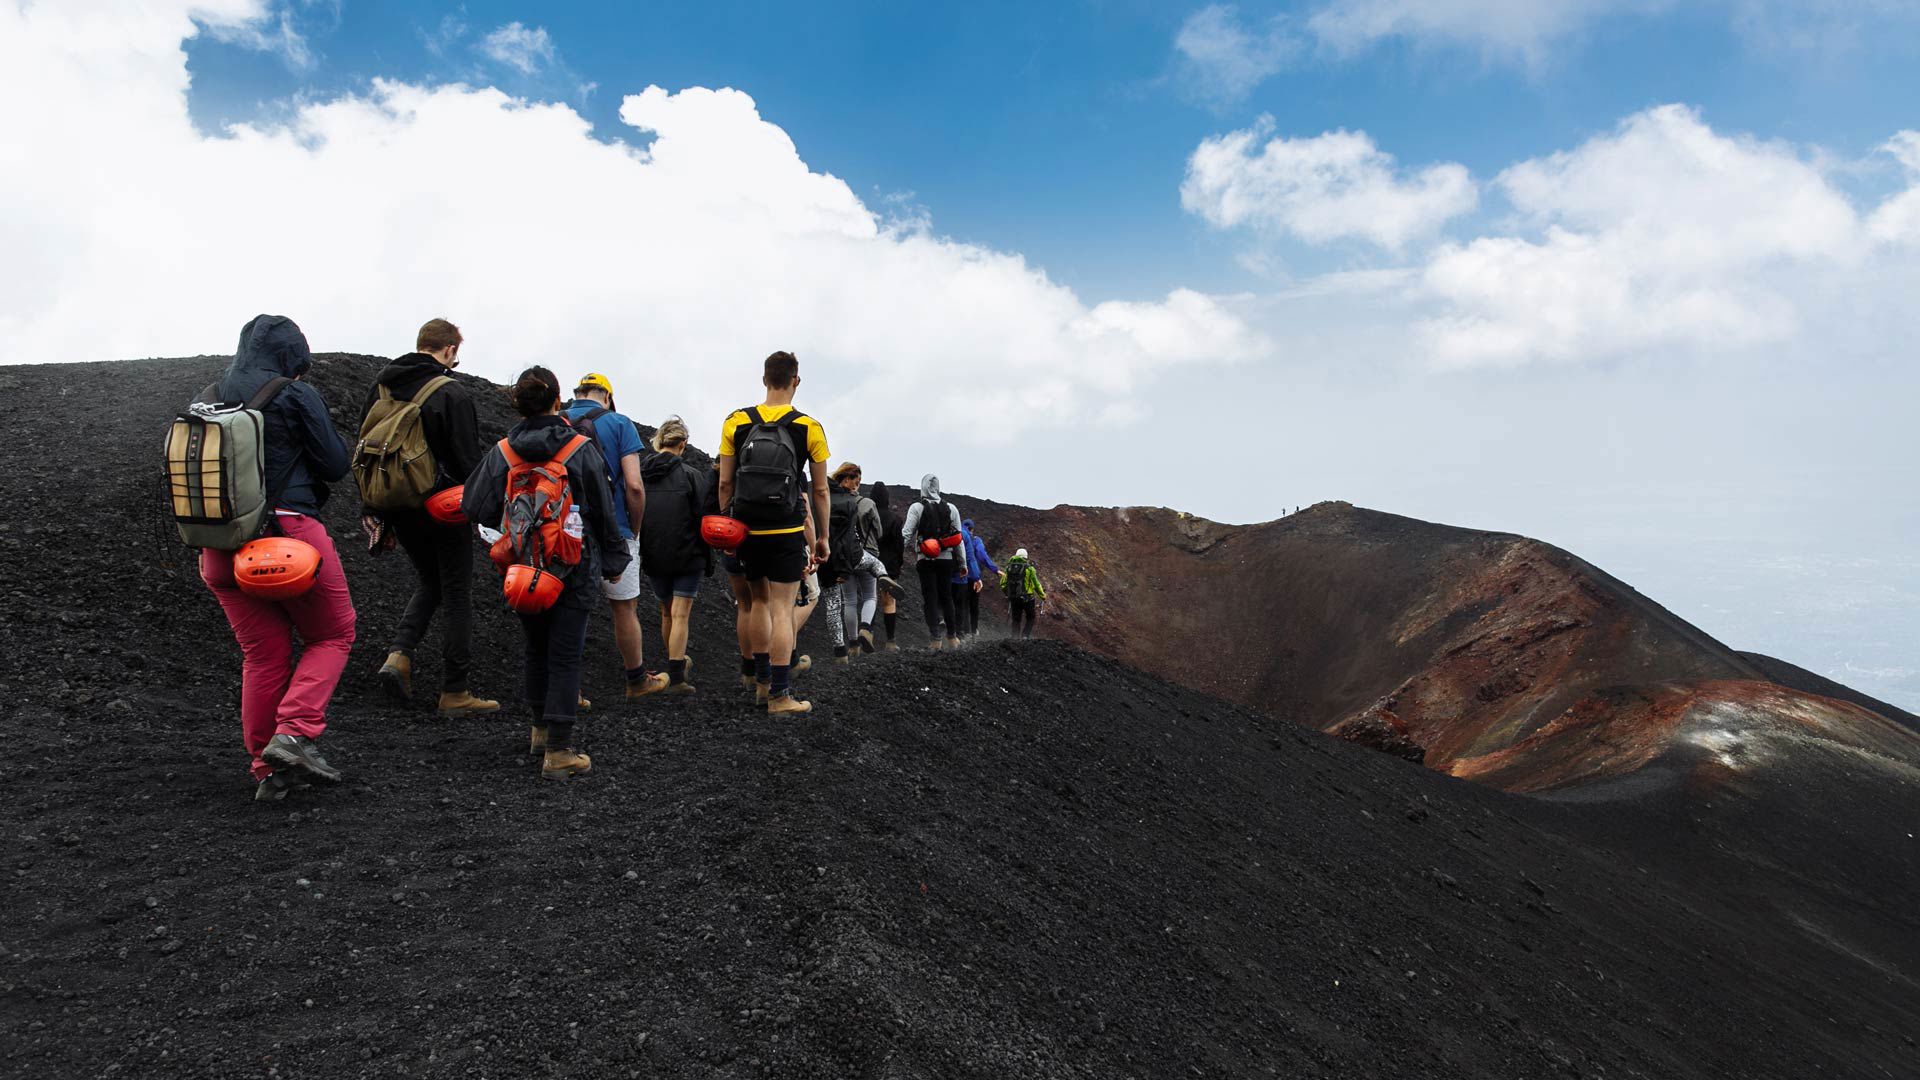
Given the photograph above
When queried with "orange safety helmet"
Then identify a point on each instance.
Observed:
(276, 567)
(722, 532)
(444, 506)
(930, 548)
(531, 591)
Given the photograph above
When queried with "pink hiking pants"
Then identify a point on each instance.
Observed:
(276, 696)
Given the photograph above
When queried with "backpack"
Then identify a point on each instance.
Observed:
(941, 530)
(392, 464)
(843, 534)
(1019, 580)
(216, 460)
(767, 487)
(538, 505)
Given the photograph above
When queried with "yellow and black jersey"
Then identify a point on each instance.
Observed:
(738, 421)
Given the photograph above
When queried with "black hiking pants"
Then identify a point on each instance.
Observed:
(1020, 617)
(936, 597)
(556, 640)
(442, 557)
(966, 608)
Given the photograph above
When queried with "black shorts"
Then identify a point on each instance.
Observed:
(781, 558)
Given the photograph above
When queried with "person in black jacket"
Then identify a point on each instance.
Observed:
(283, 705)
(556, 637)
(892, 550)
(671, 550)
(442, 555)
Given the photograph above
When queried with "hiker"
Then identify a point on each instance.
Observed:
(556, 634)
(415, 412)
(772, 477)
(591, 412)
(931, 520)
(283, 705)
(978, 563)
(893, 556)
(1020, 582)
(671, 551)
(853, 573)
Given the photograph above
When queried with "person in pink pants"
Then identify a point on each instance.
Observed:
(278, 696)
(283, 705)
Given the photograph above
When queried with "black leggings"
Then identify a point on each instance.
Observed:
(966, 609)
(936, 597)
(1021, 617)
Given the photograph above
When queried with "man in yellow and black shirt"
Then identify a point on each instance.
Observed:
(782, 535)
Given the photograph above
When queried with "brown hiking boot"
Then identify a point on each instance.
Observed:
(845, 659)
(563, 763)
(537, 742)
(748, 681)
(800, 666)
(453, 706)
(396, 676)
(677, 688)
(889, 647)
(937, 644)
(787, 704)
(866, 641)
(651, 683)
(760, 693)
(584, 706)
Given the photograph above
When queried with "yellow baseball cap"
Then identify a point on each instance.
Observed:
(596, 381)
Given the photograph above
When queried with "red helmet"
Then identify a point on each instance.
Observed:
(530, 591)
(722, 532)
(444, 506)
(930, 548)
(276, 567)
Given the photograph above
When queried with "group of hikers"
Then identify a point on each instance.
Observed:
(577, 507)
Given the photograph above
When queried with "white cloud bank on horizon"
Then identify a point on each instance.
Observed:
(1660, 238)
(675, 267)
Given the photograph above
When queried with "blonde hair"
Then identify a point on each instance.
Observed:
(673, 432)
(846, 469)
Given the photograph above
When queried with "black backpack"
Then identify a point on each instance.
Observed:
(1017, 580)
(843, 534)
(767, 488)
(584, 424)
(932, 529)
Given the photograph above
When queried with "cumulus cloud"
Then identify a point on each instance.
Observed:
(524, 49)
(1897, 221)
(1329, 187)
(675, 268)
(1222, 60)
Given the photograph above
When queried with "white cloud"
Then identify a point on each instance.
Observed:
(525, 49)
(1502, 29)
(1334, 186)
(1221, 61)
(1897, 221)
(675, 268)
(273, 33)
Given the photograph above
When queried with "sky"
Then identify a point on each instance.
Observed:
(1633, 277)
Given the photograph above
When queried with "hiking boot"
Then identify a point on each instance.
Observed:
(788, 705)
(678, 688)
(844, 660)
(866, 641)
(760, 691)
(800, 667)
(651, 683)
(276, 786)
(563, 763)
(537, 741)
(890, 647)
(299, 753)
(456, 704)
(937, 644)
(396, 677)
(748, 681)
(953, 643)
(890, 585)
(584, 706)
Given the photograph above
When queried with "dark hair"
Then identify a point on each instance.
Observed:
(535, 391)
(878, 493)
(782, 369)
(437, 334)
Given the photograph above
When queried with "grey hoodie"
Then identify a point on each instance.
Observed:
(930, 494)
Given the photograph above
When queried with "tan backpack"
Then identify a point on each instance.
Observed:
(392, 463)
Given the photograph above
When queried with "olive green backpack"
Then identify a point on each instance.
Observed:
(392, 463)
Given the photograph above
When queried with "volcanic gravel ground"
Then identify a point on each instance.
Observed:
(1018, 860)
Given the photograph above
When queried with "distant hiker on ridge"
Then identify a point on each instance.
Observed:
(591, 413)
(772, 476)
(283, 706)
(414, 405)
(1020, 582)
(553, 600)
(966, 598)
(932, 529)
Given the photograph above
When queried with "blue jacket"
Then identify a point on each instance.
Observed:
(973, 551)
(304, 452)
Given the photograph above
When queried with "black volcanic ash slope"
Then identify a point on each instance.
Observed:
(1016, 861)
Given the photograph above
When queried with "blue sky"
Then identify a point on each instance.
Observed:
(1635, 277)
(1061, 130)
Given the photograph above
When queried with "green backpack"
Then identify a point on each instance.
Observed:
(392, 464)
(216, 457)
